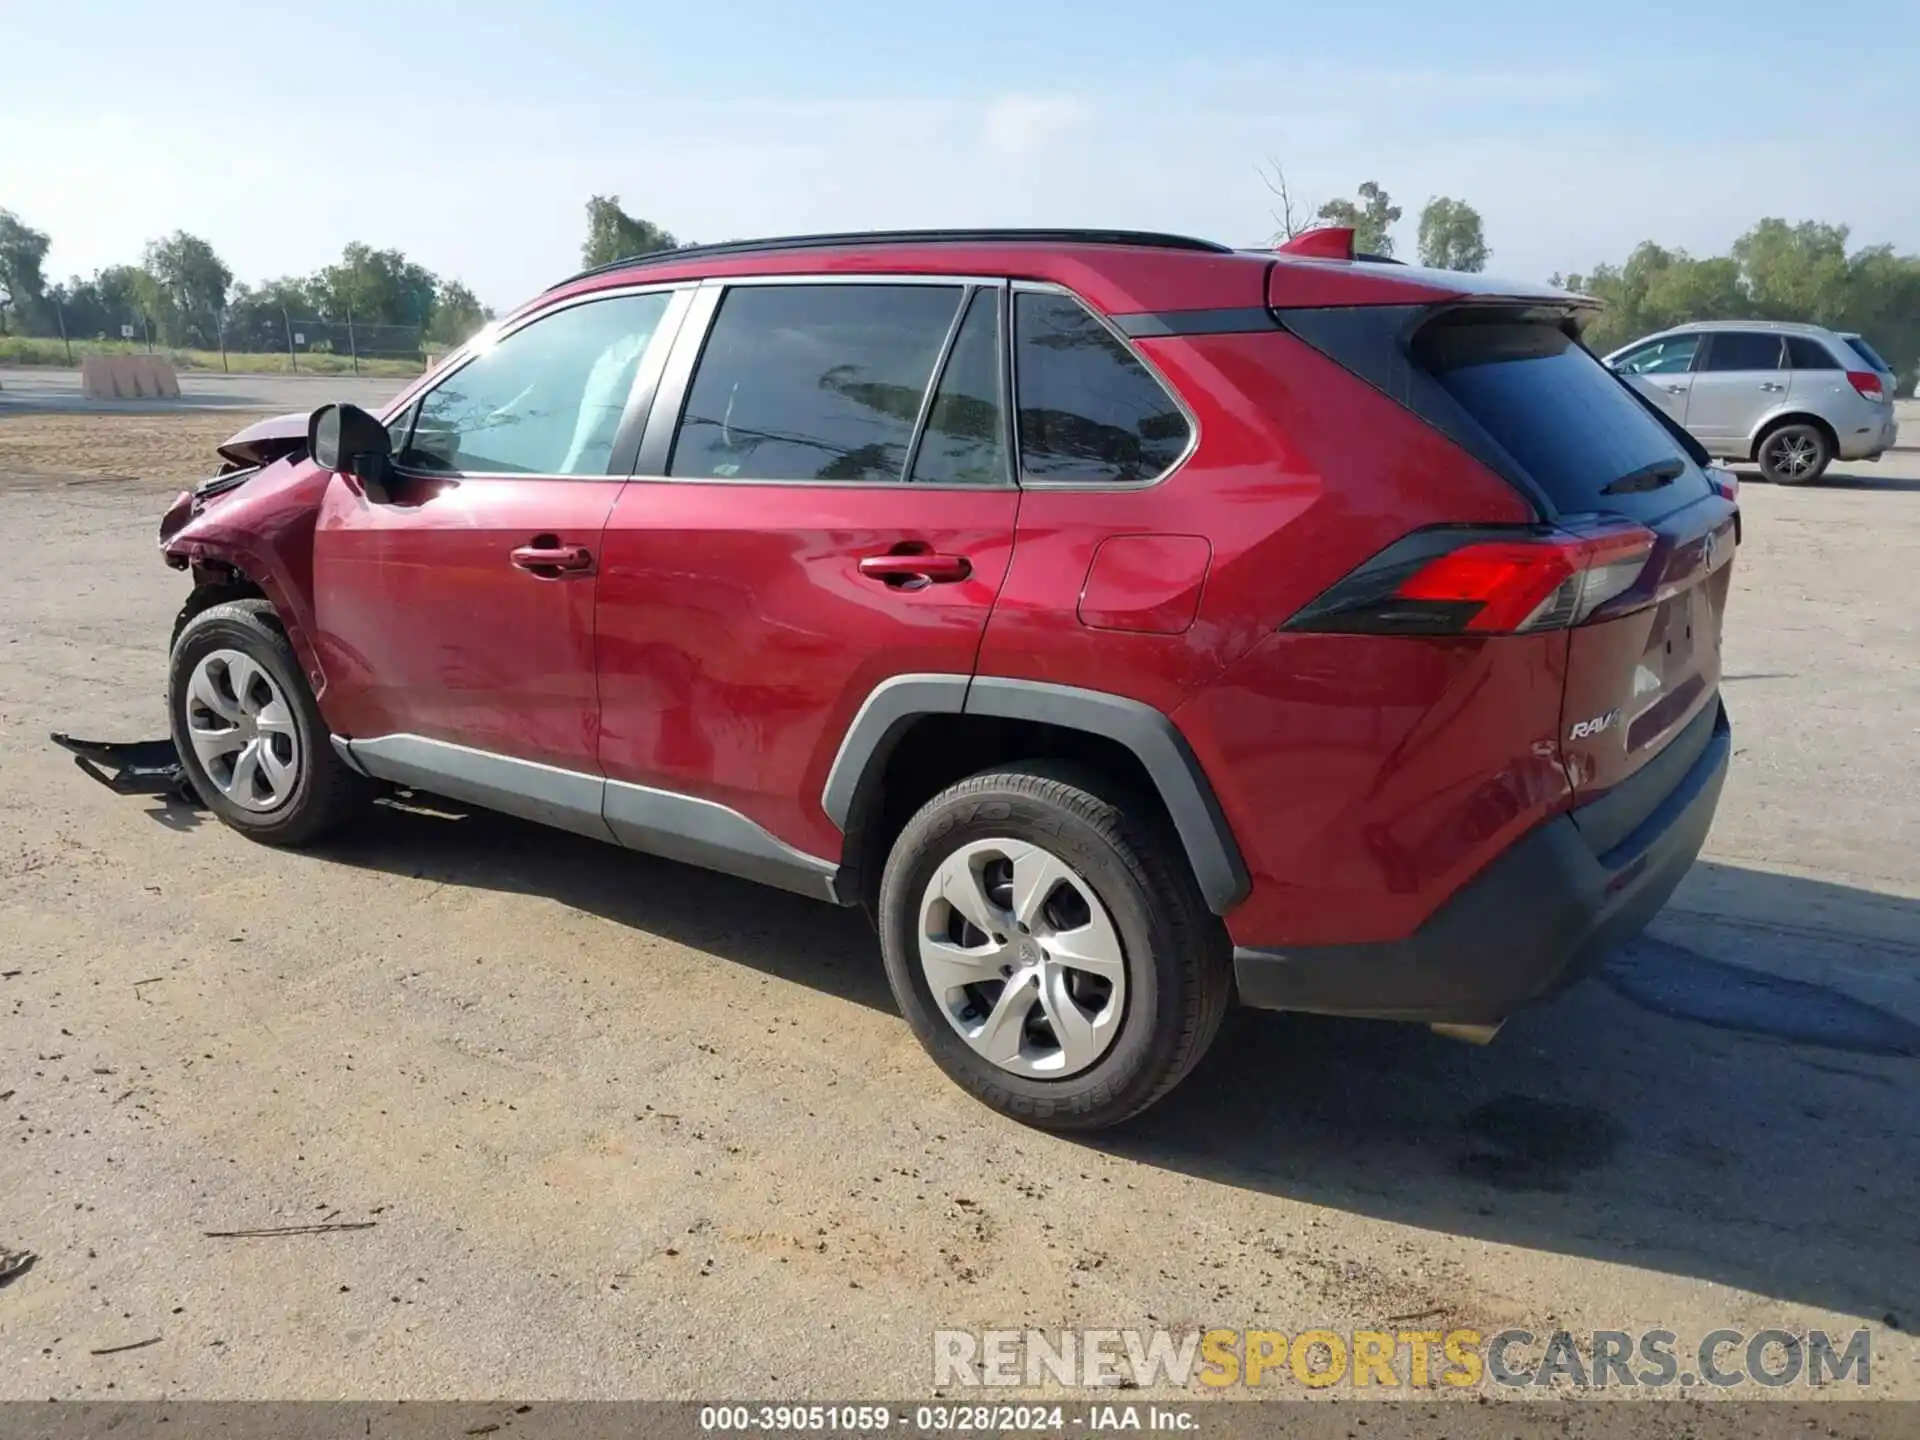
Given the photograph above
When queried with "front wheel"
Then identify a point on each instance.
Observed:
(1795, 454)
(248, 732)
(1050, 948)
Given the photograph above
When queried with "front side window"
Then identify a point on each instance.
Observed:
(1742, 350)
(1672, 356)
(1089, 411)
(813, 382)
(545, 399)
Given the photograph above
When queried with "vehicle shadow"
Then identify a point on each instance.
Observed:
(1712, 1115)
(823, 946)
(1838, 480)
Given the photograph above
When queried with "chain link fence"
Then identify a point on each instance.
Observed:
(252, 339)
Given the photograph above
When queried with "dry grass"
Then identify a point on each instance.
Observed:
(164, 449)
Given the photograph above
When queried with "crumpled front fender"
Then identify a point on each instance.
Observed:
(263, 531)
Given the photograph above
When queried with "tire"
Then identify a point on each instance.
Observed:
(1135, 1039)
(297, 789)
(1795, 453)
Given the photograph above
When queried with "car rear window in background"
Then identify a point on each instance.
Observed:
(1563, 417)
(1806, 353)
(1867, 353)
(1741, 350)
(813, 382)
(1089, 411)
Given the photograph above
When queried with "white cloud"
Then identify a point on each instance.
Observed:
(1019, 125)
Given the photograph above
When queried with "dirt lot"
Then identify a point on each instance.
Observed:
(626, 1129)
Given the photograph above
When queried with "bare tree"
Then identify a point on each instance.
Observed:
(1291, 218)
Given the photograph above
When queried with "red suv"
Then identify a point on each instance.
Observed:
(1129, 623)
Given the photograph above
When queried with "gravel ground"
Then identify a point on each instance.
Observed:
(618, 1128)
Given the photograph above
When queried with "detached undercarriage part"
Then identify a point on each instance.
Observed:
(131, 767)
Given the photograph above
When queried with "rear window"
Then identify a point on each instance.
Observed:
(1566, 420)
(1867, 353)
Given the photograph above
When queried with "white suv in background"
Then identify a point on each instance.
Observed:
(1792, 397)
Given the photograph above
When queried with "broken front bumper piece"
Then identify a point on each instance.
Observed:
(132, 767)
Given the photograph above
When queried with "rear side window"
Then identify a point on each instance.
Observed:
(1565, 420)
(1806, 353)
(1866, 352)
(1090, 412)
(813, 382)
(1741, 350)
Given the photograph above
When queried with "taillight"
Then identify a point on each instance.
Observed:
(1484, 582)
(1868, 384)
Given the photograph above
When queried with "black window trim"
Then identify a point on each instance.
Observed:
(669, 399)
(646, 380)
(1011, 346)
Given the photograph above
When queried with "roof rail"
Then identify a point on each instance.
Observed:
(1147, 238)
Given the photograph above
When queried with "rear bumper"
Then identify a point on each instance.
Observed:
(1869, 442)
(1533, 922)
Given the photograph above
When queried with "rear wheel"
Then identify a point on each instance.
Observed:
(1795, 454)
(1049, 949)
(248, 732)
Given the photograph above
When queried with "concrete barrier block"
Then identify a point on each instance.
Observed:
(125, 385)
(96, 377)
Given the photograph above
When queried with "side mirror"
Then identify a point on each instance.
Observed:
(340, 435)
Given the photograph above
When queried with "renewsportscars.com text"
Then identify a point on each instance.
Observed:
(1398, 1359)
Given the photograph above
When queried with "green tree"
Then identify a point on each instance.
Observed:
(186, 290)
(1370, 220)
(97, 308)
(456, 314)
(1797, 272)
(257, 316)
(1450, 235)
(1776, 271)
(23, 286)
(376, 287)
(612, 234)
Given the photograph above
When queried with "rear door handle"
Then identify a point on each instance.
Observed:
(913, 571)
(1770, 385)
(1676, 389)
(547, 558)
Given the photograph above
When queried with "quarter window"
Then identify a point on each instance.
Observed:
(965, 442)
(543, 400)
(813, 382)
(1806, 353)
(1742, 350)
(1090, 412)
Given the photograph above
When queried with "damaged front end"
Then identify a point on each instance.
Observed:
(152, 767)
(242, 456)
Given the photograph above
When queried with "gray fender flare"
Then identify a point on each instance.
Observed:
(1155, 741)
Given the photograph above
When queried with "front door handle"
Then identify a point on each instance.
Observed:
(547, 558)
(913, 571)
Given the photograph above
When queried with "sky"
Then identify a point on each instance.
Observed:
(470, 134)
